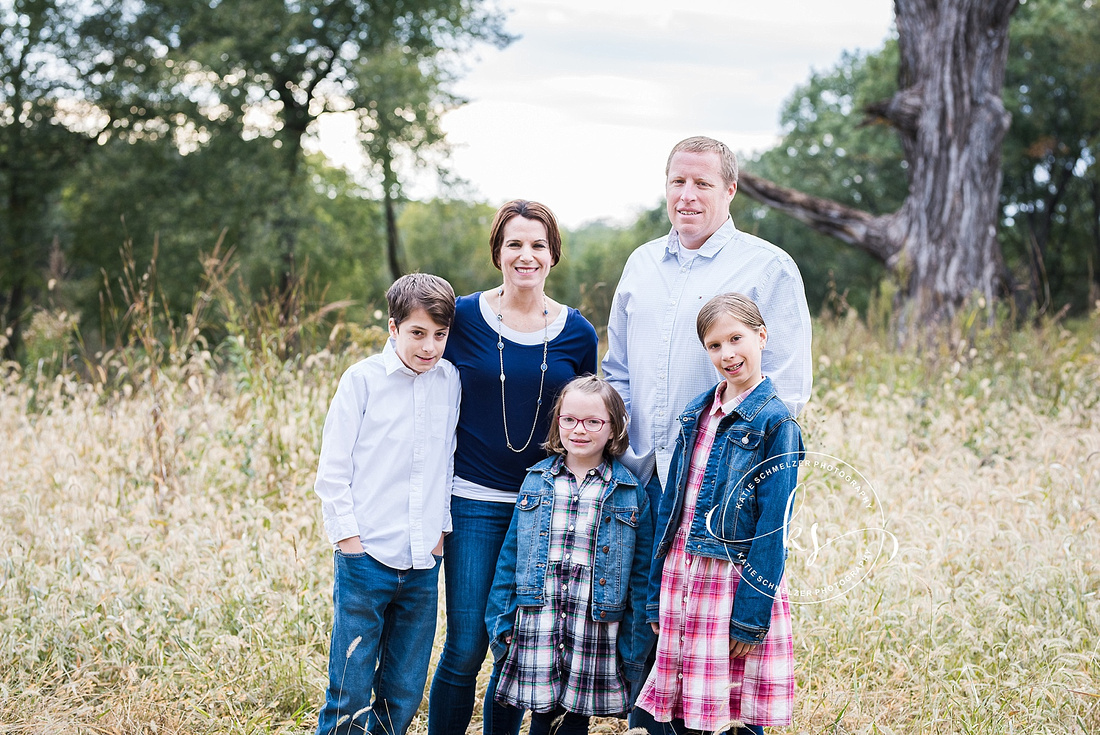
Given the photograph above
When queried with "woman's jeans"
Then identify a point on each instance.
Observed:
(382, 631)
(470, 559)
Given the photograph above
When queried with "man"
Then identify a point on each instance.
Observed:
(654, 358)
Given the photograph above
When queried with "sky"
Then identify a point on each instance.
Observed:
(581, 110)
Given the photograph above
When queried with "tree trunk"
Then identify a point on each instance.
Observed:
(948, 111)
(390, 187)
(391, 237)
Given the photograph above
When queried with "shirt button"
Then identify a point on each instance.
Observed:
(571, 528)
(744, 440)
(603, 581)
(605, 549)
(563, 615)
(679, 676)
(561, 646)
(603, 615)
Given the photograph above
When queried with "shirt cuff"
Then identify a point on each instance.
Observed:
(341, 527)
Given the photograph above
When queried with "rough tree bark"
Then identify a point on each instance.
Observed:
(948, 111)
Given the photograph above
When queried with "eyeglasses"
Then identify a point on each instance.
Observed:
(570, 422)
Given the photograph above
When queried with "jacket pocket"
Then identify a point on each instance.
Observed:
(742, 445)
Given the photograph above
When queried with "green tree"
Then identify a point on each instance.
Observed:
(1051, 193)
(289, 62)
(951, 121)
(451, 239)
(67, 82)
(823, 154)
(400, 101)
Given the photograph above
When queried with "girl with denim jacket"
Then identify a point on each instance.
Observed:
(725, 657)
(566, 613)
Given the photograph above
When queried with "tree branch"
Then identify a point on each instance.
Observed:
(853, 226)
(902, 110)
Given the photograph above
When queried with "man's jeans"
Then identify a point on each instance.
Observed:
(638, 717)
(382, 631)
(471, 551)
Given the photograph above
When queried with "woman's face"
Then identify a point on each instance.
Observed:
(525, 258)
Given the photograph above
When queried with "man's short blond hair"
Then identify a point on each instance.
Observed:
(727, 165)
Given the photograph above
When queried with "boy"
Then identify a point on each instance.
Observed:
(384, 478)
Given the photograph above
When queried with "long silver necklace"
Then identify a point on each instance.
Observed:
(542, 373)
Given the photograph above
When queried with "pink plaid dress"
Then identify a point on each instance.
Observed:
(694, 677)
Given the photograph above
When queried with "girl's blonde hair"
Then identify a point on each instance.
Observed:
(737, 305)
(616, 411)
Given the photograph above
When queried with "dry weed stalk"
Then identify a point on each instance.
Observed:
(206, 610)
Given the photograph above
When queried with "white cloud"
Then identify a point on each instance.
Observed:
(581, 111)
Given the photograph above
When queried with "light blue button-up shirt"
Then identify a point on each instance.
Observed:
(654, 357)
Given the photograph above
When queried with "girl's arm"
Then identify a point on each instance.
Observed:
(635, 637)
(500, 611)
(764, 566)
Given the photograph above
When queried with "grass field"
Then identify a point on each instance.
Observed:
(163, 568)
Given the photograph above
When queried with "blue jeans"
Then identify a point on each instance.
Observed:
(638, 717)
(471, 551)
(382, 630)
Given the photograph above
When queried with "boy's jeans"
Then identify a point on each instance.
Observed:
(382, 631)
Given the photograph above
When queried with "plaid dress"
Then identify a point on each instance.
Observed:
(559, 656)
(694, 677)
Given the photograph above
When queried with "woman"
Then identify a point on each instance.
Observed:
(514, 348)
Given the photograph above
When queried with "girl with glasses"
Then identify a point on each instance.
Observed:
(566, 613)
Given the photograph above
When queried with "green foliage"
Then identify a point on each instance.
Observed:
(450, 239)
(825, 154)
(1051, 191)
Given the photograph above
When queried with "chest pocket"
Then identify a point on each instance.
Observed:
(528, 501)
(437, 420)
(742, 448)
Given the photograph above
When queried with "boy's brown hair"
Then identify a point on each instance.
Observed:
(737, 305)
(616, 411)
(421, 291)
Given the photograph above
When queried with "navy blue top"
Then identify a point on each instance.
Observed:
(482, 456)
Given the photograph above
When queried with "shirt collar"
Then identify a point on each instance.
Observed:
(558, 467)
(393, 362)
(727, 407)
(710, 248)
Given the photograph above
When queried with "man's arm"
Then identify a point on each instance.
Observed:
(616, 360)
(787, 359)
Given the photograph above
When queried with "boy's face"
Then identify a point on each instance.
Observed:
(419, 340)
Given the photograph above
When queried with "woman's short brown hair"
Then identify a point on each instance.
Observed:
(737, 305)
(616, 411)
(527, 210)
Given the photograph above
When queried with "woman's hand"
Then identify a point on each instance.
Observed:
(740, 648)
(656, 628)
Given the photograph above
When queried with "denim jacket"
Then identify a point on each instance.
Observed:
(743, 505)
(620, 568)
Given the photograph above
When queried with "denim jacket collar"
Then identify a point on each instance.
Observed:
(747, 409)
(620, 475)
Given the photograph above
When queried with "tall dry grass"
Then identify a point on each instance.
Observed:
(163, 567)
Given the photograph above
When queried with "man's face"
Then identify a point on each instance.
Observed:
(698, 200)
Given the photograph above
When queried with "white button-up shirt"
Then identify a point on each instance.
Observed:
(654, 357)
(387, 458)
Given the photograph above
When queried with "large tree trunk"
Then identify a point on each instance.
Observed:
(948, 111)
